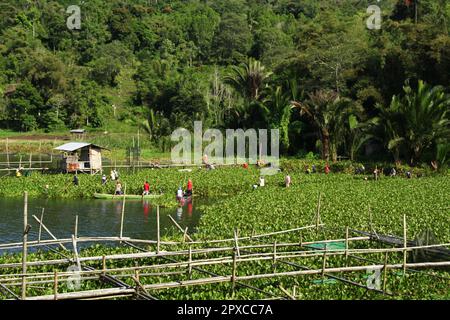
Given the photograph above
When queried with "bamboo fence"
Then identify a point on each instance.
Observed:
(164, 265)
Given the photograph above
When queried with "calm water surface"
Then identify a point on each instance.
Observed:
(95, 218)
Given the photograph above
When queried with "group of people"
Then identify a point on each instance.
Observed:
(313, 169)
(114, 175)
(262, 182)
(145, 192)
(189, 191)
(392, 172)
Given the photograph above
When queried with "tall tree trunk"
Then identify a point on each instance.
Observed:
(325, 144)
(396, 154)
(333, 149)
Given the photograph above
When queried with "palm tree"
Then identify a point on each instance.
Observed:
(418, 120)
(358, 134)
(248, 79)
(328, 113)
(389, 128)
(278, 109)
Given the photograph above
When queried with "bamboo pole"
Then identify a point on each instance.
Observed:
(25, 249)
(405, 244)
(190, 263)
(40, 226)
(136, 274)
(236, 242)
(104, 265)
(31, 154)
(221, 279)
(76, 227)
(48, 231)
(185, 234)
(158, 231)
(274, 252)
(233, 276)
(179, 227)
(308, 253)
(331, 270)
(346, 246)
(385, 271)
(291, 296)
(77, 258)
(55, 286)
(324, 261)
(123, 212)
(109, 239)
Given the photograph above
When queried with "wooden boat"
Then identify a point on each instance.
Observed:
(127, 196)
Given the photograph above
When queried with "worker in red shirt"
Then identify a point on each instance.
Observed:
(146, 189)
(327, 169)
(189, 188)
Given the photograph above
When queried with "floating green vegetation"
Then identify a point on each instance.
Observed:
(346, 200)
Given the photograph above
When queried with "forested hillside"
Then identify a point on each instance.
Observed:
(310, 68)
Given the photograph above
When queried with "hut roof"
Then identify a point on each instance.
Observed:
(72, 146)
(77, 131)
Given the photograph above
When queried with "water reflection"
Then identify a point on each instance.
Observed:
(147, 208)
(95, 218)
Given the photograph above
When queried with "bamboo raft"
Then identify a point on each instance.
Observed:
(186, 262)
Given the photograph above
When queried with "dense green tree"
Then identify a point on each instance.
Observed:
(234, 39)
(416, 121)
(163, 64)
(25, 107)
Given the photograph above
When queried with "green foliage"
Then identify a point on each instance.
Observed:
(164, 64)
(417, 121)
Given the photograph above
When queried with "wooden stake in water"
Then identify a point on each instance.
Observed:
(48, 231)
(76, 227)
(185, 234)
(24, 252)
(157, 230)
(179, 228)
(123, 212)
(75, 251)
(40, 225)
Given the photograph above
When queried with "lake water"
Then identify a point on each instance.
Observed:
(95, 218)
